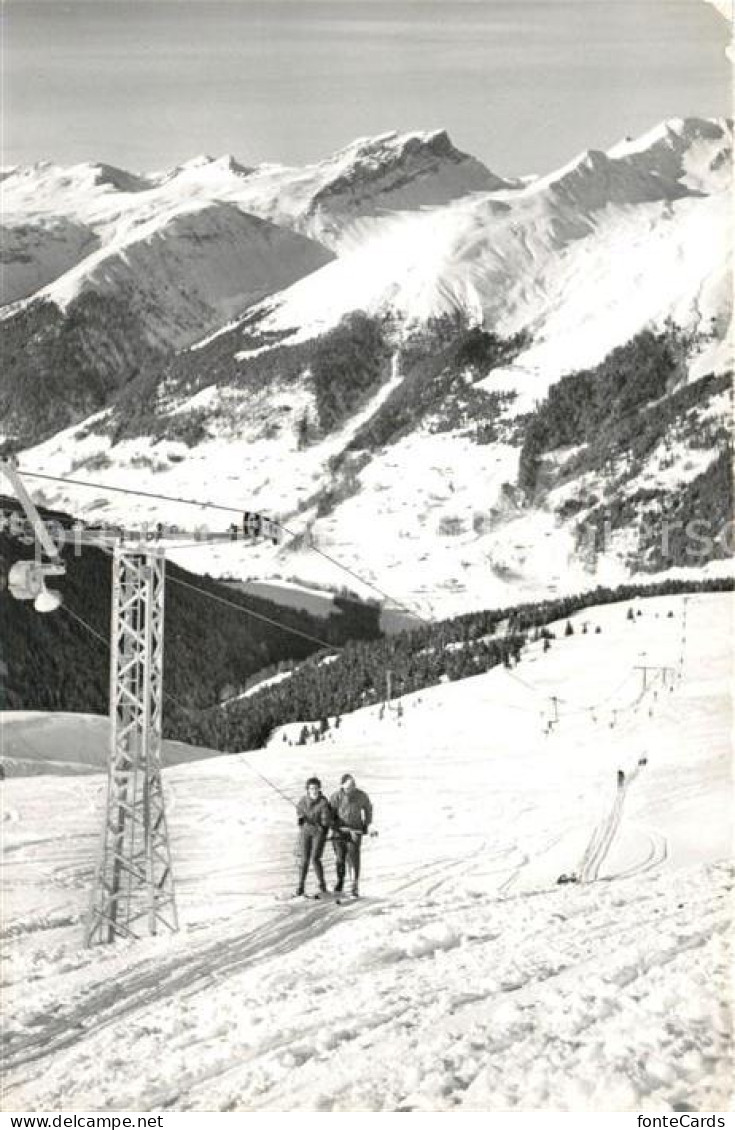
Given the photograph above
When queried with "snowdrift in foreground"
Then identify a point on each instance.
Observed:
(466, 979)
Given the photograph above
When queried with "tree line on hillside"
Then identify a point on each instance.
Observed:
(59, 366)
(329, 685)
(602, 407)
(440, 365)
(343, 367)
(50, 662)
(451, 649)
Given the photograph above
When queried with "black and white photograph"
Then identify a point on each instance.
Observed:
(366, 559)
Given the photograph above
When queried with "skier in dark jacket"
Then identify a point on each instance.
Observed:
(353, 815)
(314, 818)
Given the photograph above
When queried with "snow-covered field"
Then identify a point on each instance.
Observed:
(466, 978)
(37, 742)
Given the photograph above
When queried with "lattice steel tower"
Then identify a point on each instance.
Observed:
(134, 884)
(134, 887)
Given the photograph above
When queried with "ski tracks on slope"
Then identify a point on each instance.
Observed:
(604, 834)
(183, 974)
(427, 879)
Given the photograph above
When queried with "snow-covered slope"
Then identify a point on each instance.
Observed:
(433, 518)
(186, 272)
(582, 258)
(575, 263)
(368, 178)
(175, 255)
(365, 181)
(35, 254)
(466, 979)
(35, 743)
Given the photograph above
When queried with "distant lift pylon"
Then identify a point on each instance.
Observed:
(133, 889)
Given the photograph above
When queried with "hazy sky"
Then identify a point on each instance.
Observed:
(522, 84)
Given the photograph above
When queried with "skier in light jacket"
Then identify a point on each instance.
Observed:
(353, 815)
(315, 818)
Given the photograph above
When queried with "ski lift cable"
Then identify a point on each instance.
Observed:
(221, 600)
(198, 712)
(230, 510)
(192, 711)
(256, 615)
(248, 612)
(80, 620)
(579, 709)
(241, 608)
(546, 696)
(576, 708)
(335, 647)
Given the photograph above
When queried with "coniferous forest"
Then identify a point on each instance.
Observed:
(52, 662)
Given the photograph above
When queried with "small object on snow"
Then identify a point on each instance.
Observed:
(621, 778)
(643, 760)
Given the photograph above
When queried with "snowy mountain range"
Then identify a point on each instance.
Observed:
(363, 345)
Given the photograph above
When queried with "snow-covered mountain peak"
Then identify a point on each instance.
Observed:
(594, 180)
(392, 161)
(512, 259)
(678, 158)
(118, 179)
(229, 258)
(197, 162)
(224, 166)
(387, 149)
(568, 267)
(49, 179)
(340, 199)
(694, 152)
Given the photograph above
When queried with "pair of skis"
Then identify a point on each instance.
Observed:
(340, 899)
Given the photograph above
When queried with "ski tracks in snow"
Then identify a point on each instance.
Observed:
(382, 1006)
(604, 835)
(144, 984)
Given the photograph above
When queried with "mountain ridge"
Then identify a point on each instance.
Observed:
(280, 404)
